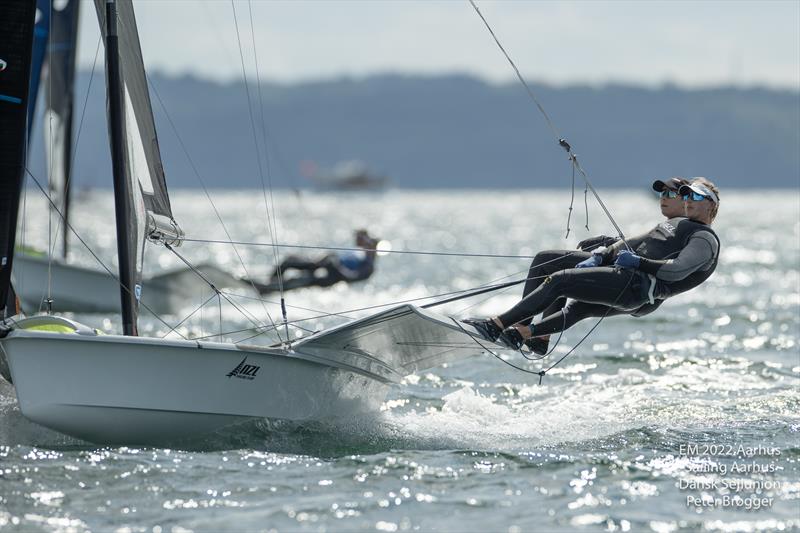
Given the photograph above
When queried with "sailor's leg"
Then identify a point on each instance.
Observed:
(569, 316)
(547, 263)
(615, 287)
(296, 263)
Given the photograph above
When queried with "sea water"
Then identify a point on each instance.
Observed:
(684, 419)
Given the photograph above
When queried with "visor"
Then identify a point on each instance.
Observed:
(671, 183)
(699, 188)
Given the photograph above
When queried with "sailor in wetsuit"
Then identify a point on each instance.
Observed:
(675, 256)
(550, 262)
(349, 266)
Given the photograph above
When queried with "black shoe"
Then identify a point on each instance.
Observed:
(512, 338)
(486, 328)
(538, 345)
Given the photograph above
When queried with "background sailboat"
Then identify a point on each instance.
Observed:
(43, 280)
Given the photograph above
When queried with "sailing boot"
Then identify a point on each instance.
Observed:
(512, 338)
(538, 345)
(486, 328)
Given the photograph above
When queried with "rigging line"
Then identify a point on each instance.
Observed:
(610, 307)
(253, 320)
(253, 128)
(397, 302)
(462, 291)
(571, 197)
(461, 311)
(205, 191)
(345, 248)
(516, 70)
(74, 148)
(50, 243)
(561, 141)
(484, 348)
(245, 297)
(74, 232)
(367, 308)
(187, 317)
(273, 236)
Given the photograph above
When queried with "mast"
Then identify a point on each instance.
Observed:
(122, 194)
(16, 27)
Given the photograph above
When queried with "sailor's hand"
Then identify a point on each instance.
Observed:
(627, 259)
(593, 261)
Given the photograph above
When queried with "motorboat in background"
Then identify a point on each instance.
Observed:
(353, 175)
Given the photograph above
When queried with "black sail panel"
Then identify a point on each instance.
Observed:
(16, 28)
(143, 152)
(59, 104)
(41, 33)
(140, 190)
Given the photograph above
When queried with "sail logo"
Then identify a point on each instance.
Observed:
(244, 371)
(3, 65)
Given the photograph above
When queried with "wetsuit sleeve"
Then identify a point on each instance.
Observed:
(701, 249)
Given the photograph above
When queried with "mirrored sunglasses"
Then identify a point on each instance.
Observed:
(695, 197)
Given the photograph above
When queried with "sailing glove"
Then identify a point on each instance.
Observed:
(593, 261)
(627, 259)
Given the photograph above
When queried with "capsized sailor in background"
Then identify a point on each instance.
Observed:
(348, 265)
(673, 257)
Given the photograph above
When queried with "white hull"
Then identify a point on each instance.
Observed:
(135, 390)
(113, 389)
(76, 289)
(72, 288)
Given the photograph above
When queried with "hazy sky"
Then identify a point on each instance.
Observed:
(691, 43)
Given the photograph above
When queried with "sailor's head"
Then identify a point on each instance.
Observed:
(701, 198)
(670, 198)
(364, 240)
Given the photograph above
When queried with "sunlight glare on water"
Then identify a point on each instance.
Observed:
(600, 444)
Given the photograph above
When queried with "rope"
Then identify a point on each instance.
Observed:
(356, 249)
(274, 225)
(253, 320)
(74, 232)
(258, 151)
(561, 141)
(205, 191)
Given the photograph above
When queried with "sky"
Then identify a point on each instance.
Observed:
(687, 43)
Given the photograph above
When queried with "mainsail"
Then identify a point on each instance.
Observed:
(59, 90)
(16, 28)
(40, 35)
(143, 207)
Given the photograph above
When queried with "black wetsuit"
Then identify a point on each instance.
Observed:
(323, 272)
(677, 255)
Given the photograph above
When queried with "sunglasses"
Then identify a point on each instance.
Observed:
(695, 197)
(667, 193)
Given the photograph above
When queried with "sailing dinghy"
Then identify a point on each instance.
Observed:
(44, 280)
(135, 390)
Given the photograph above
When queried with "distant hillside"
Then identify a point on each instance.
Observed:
(458, 131)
